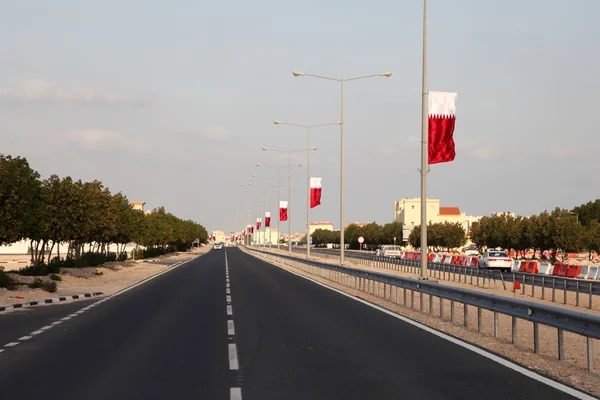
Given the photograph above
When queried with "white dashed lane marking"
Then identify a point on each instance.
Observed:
(228, 298)
(233, 357)
(25, 338)
(235, 393)
(229, 310)
(230, 328)
(13, 344)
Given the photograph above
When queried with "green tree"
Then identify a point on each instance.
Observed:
(586, 213)
(591, 237)
(566, 232)
(414, 239)
(390, 231)
(19, 190)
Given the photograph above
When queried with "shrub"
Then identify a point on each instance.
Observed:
(6, 281)
(139, 254)
(48, 286)
(41, 269)
(55, 277)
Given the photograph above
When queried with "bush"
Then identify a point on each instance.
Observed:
(6, 281)
(55, 277)
(47, 286)
(139, 254)
(53, 267)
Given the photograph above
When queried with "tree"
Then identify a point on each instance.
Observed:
(390, 231)
(566, 232)
(414, 239)
(591, 238)
(586, 213)
(351, 235)
(451, 235)
(19, 190)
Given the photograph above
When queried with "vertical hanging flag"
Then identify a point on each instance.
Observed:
(248, 228)
(442, 115)
(257, 224)
(267, 219)
(252, 229)
(315, 192)
(283, 211)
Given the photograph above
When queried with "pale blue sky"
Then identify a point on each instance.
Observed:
(170, 102)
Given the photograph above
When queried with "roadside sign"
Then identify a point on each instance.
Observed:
(361, 240)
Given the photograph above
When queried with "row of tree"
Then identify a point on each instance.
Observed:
(84, 215)
(560, 230)
(440, 236)
(373, 234)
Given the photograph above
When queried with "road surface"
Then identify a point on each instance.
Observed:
(265, 334)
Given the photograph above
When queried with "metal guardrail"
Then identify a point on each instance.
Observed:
(582, 288)
(560, 318)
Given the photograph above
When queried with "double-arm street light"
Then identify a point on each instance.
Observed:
(342, 81)
(289, 153)
(278, 168)
(308, 128)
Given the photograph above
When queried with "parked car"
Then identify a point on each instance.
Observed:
(495, 259)
(390, 251)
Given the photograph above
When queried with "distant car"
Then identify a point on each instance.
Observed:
(494, 259)
(218, 246)
(471, 252)
(390, 251)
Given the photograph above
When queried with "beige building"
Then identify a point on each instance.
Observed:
(328, 226)
(408, 212)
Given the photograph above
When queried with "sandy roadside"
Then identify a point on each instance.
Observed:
(108, 279)
(572, 371)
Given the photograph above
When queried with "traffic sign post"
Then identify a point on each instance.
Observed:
(361, 240)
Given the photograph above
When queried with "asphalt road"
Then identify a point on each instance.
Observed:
(292, 339)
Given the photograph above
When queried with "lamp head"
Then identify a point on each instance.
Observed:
(386, 74)
(296, 73)
(276, 122)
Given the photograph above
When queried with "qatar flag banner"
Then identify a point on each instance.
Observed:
(258, 223)
(251, 229)
(315, 192)
(442, 115)
(283, 210)
(248, 228)
(267, 219)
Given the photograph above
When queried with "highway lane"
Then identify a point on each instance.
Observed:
(172, 337)
(298, 340)
(164, 339)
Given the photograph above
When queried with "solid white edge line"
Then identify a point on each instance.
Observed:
(235, 393)
(530, 374)
(233, 357)
(229, 310)
(230, 328)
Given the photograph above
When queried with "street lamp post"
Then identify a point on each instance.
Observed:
(342, 80)
(278, 168)
(308, 128)
(289, 153)
(269, 186)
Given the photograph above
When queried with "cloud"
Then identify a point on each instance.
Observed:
(93, 138)
(40, 91)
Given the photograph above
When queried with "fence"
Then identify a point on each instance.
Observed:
(562, 319)
(530, 284)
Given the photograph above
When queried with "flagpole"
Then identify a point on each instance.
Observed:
(278, 208)
(265, 213)
(424, 122)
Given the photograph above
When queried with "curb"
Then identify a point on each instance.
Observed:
(49, 301)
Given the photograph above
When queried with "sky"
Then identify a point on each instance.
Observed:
(171, 102)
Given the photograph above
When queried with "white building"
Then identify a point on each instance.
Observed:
(408, 212)
(328, 226)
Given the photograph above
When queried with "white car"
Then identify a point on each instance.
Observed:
(218, 246)
(495, 259)
(390, 250)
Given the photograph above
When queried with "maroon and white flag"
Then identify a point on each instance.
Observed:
(267, 219)
(258, 223)
(442, 115)
(283, 211)
(315, 192)
(248, 228)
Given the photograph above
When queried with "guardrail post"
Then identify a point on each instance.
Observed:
(421, 301)
(479, 319)
(577, 294)
(466, 315)
(513, 338)
(523, 286)
(564, 291)
(533, 286)
(430, 304)
(441, 308)
(452, 310)
(471, 277)
(496, 333)
(536, 338)
(412, 299)
(590, 301)
(543, 287)
(553, 289)
(590, 354)
(561, 345)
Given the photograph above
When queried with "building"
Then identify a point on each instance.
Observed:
(359, 224)
(138, 205)
(219, 236)
(328, 226)
(408, 212)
